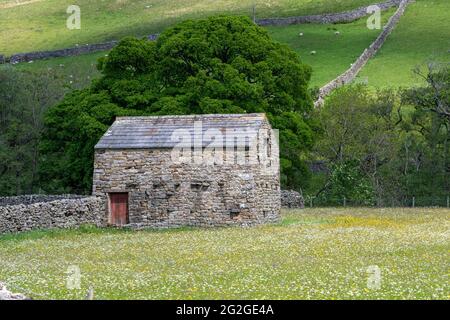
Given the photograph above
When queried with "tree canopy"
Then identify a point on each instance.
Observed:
(24, 97)
(216, 65)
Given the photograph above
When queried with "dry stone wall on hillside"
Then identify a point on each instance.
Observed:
(349, 75)
(340, 17)
(75, 51)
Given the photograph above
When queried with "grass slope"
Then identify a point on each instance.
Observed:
(423, 34)
(334, 53)
(315, 253)
(41, 24)
(76, 72)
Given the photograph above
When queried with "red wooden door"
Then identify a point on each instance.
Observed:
(119, 208)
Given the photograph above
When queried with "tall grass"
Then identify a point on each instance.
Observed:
(310, 254)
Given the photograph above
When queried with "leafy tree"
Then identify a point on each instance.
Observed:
(435, 97)
(216, 65)
(427, 150)
(356, 143)
(347, 183)
(24, 97)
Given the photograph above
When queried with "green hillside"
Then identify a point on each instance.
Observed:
(334, 53)
(41, 24)
(422, 35)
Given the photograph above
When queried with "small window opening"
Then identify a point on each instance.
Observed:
(234, 213)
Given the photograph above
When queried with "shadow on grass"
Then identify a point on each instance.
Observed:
(292, 220)
(87, 229)
(84, 229)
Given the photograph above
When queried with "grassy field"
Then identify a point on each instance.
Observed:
(41, 24)
(422, 35)
(314, 253)
(76, 72)
(414, 42)
(334, 54)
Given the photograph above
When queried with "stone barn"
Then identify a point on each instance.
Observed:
(201, 170)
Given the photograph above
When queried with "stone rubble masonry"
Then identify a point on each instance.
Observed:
(164, 194)
(62, 213)
(292, 199)
(35, 198)
(24, 213)
(172, 195)
(21, 213)
(349, 75)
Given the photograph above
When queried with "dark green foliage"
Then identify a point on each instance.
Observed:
(75, 124)
(217, 65)
(24, 97)
(428, 139)
(347, 183)
(387, 146)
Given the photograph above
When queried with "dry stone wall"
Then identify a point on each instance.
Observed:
(292, 199)
(75, 51)
(63, 213)
(349, 75)
(341, 17)
(35, 198)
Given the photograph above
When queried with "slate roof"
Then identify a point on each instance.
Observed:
(155, 132)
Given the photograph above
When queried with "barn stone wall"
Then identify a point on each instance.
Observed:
(165, 194)
(63, 213)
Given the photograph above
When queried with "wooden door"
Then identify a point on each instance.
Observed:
(118, 204)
